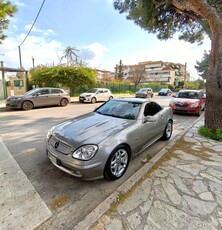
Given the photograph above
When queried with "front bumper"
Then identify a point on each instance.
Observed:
(13, 104)
(84, 99)
(87, 170)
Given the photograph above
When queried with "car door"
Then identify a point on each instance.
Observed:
(100, 95)
(42, 97)
(55, 96)
(154, 123)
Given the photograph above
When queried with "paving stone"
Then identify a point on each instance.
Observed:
(199, 187)
(180, 184)
(193, 169)
(160, 193)
(178, 172)
(206, 196)
(191, 140)
(171, 192)
(139, 196)
(217, 148)
(164, 216)
(134, 220)
(115, 224)
(199, 207)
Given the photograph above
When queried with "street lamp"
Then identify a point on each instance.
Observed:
(33, 62)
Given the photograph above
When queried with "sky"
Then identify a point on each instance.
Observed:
(101, 35)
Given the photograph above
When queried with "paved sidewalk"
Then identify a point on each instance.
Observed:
(21, 207)
(180, 188)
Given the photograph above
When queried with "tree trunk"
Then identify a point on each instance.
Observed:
(213, 108)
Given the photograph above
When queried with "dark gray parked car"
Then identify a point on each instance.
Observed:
(101, 143)
(38, 97)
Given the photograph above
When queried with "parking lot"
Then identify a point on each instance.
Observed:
(23, 133)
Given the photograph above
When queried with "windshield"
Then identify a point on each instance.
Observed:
(163, 90)
(31, 92)
(143, 90)
(92, 90)
(120, 109)
(188, 94)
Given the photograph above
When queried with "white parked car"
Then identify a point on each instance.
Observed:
(96, 94)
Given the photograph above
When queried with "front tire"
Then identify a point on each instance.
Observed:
(93, 100)
(27, 105)
(117, 163)
(168, 131)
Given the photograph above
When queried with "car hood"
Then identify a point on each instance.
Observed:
(86, 94)
(185, 100)
(89, 128)
(16, 96)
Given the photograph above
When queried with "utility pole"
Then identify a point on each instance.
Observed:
(20, 57)
(185, 75)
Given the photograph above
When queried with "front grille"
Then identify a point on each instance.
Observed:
(59, 145)
(181, 104)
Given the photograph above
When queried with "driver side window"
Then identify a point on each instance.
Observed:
(151, 109)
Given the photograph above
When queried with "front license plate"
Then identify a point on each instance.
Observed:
(52, 158)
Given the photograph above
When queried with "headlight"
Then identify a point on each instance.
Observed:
(49, 134)
(171, 103)
(194, 105)
(88, 95)
(15, 99)
(85, 152)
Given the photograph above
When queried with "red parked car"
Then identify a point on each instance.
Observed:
(188, 101)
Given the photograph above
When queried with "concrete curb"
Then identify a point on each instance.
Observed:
(97, 213)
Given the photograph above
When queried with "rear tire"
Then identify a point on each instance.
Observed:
(168, 131)
(117, 163)
(64, 102)
(27, 105)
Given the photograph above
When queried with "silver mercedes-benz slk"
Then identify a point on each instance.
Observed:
(101, 143)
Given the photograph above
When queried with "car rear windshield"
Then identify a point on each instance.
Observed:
(120, 109)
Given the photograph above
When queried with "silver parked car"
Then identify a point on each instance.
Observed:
(39, 97)
(96, 94)
(144, 93)
(101, 143)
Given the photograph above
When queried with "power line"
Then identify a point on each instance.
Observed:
(33, 23)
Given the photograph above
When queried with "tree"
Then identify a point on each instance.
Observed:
(192, 20)
(119, 71)
(137, 75)
(6, 10)
(203, 65)
(63, 76)
(70, 55)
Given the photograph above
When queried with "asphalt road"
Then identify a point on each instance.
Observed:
(70, 199)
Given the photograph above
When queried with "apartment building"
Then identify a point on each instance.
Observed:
(155, 71)
(104, 76)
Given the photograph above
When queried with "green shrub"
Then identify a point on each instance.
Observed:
(206, 132)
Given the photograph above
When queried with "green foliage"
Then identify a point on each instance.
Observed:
(198, 84)
(202, 66)
(6, 10)
(206, 132)
(62, 76)
(165, 19)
